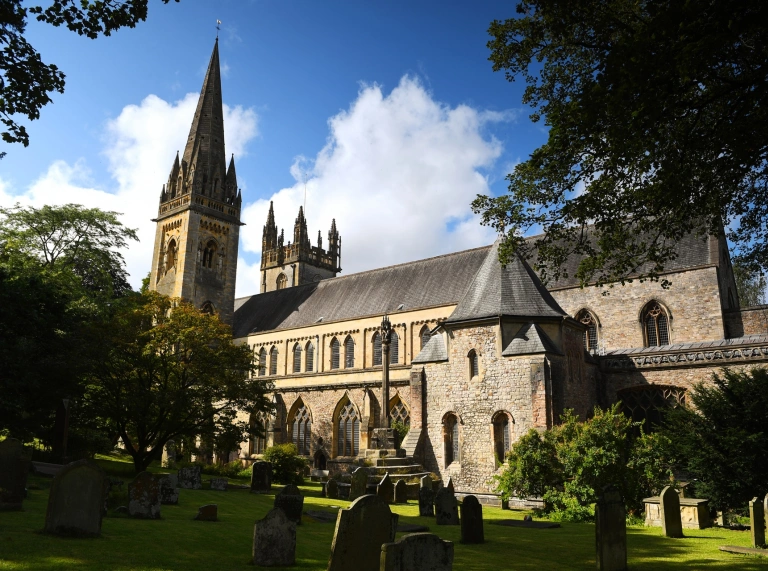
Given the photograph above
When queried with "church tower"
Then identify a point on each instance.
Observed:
(298, 262)
(198, 221)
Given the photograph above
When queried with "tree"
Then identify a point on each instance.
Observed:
(25, 80)
(750, 285)
(172, 371)
(658, 127)
(721, 441)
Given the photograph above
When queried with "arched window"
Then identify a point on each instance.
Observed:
(262, 362)
(208, 254)
(335, 353)
(258, 442)
(348, 431)
(501, 435)
(301, 429)
(170, 256)
(648, 403)
(656, 325)
(398, 412)
(451, 438)
(273, 361)
(282, 281)
(474, 364)
(207, 308)
(425, 336)
(297, 358)
(590, 335)
(394, 349)
(349, 353)
(309, 358)
(376, 349)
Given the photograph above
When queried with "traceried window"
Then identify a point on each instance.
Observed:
(590, 335)
(398, 412)
(297, 358)
(335, 350)
(170, 256)
(474, 364)
(262, 362)
(376, 349)
(394, 349)
(501, 435)
(648, 403)
(258, 442)
(207, 308)
(310, 357)
(451, 438)
(425, 336)
(348, 431)
(208, 254)
(282, 281)
(301, 429)
(349, 353)
(656, 325)
(273, 361)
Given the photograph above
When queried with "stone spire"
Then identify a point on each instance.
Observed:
(230, 190)
(269, 237)
(334, 243)
(300, 233)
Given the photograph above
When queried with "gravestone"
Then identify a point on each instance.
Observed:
(426, 497)
(417, 552)
(76, 500)
(611, 531)
(190, 479)
(669, 506)
(219, 484)
(169, 489)
(274, 540)
(332, 490)
(471, 521)
(757, 522)
(261, 476)
(385, 489)
(14, 467)
(449, 485)
(401, 492)
(359, 483)
(169, 455)
(208, 512)
(446, 508)
(290, 500)
(360, 532)
(144, 496)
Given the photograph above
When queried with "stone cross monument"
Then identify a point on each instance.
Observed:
(386, 338)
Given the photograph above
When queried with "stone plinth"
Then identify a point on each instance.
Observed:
(694, 513)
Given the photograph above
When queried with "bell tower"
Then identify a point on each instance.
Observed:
(198, 220)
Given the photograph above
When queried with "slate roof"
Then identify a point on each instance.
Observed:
(530, 340)
(513, 290)
(433, 351)
(424, 283)
(746, 340)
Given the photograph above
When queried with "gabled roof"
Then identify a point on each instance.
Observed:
(513, 290)
(433, 351)
(530, 340)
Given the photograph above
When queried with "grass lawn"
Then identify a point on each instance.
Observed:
(178, 542)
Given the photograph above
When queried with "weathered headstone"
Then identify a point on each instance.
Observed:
(385, 489)
(757, 522)
(401, 492)
(169, 455)
(471, 521)
(669, 505)
(332, 489)
(449, 485)
(14, 467)
(360, 532)
(261, 476)
(219, 484)
(144, 496)
(426, 497)
(417, 552)
(611, 531)
(190, 479)
(274, 540)
(208, 512)
(359, 483)
(290, 500)
(446, 508)
(76, 500)
(169, 489)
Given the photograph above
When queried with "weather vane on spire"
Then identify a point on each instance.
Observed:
(218, 23)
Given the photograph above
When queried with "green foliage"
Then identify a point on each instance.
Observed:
(287, 466)
(570, 464)
(401, 430)
(721, 441)
(750, 285)
(232, 469)
(657, 117)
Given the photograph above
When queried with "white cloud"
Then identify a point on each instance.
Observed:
(398, 174)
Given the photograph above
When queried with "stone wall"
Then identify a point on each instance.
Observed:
(747, 321)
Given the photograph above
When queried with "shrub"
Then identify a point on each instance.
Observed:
(287, 466)
(230, 470)
(401, 430)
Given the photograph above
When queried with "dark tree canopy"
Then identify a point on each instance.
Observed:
(658, 127)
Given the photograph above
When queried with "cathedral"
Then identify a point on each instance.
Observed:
(465, 353)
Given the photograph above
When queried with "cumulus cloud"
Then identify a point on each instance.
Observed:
(398, 173)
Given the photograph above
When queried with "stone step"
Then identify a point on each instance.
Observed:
(407, 469)
(411, 441)
(393, 461)
(374, 480)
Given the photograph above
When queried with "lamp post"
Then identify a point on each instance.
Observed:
(386, 337)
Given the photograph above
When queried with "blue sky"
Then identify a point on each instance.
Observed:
(388, 112)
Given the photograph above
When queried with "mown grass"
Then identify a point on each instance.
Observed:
(178, 542)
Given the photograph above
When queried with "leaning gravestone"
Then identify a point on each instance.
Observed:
(274, 540)
(417, 552)
(385, 489)
(471, 521)
(261, 476)
(611, 531)
(359, 484)
(169, 455)
(446, 508)
(219, 484)
(14, 467)
(332, 490)
(290, 500)
(360, 532)
(190, 479)
(426, 497)
(208, 512)
(76, 500)
(401, 492)
(169, 489)
(669, 506)
(449, 485)
(757, 523)
(144, 496)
